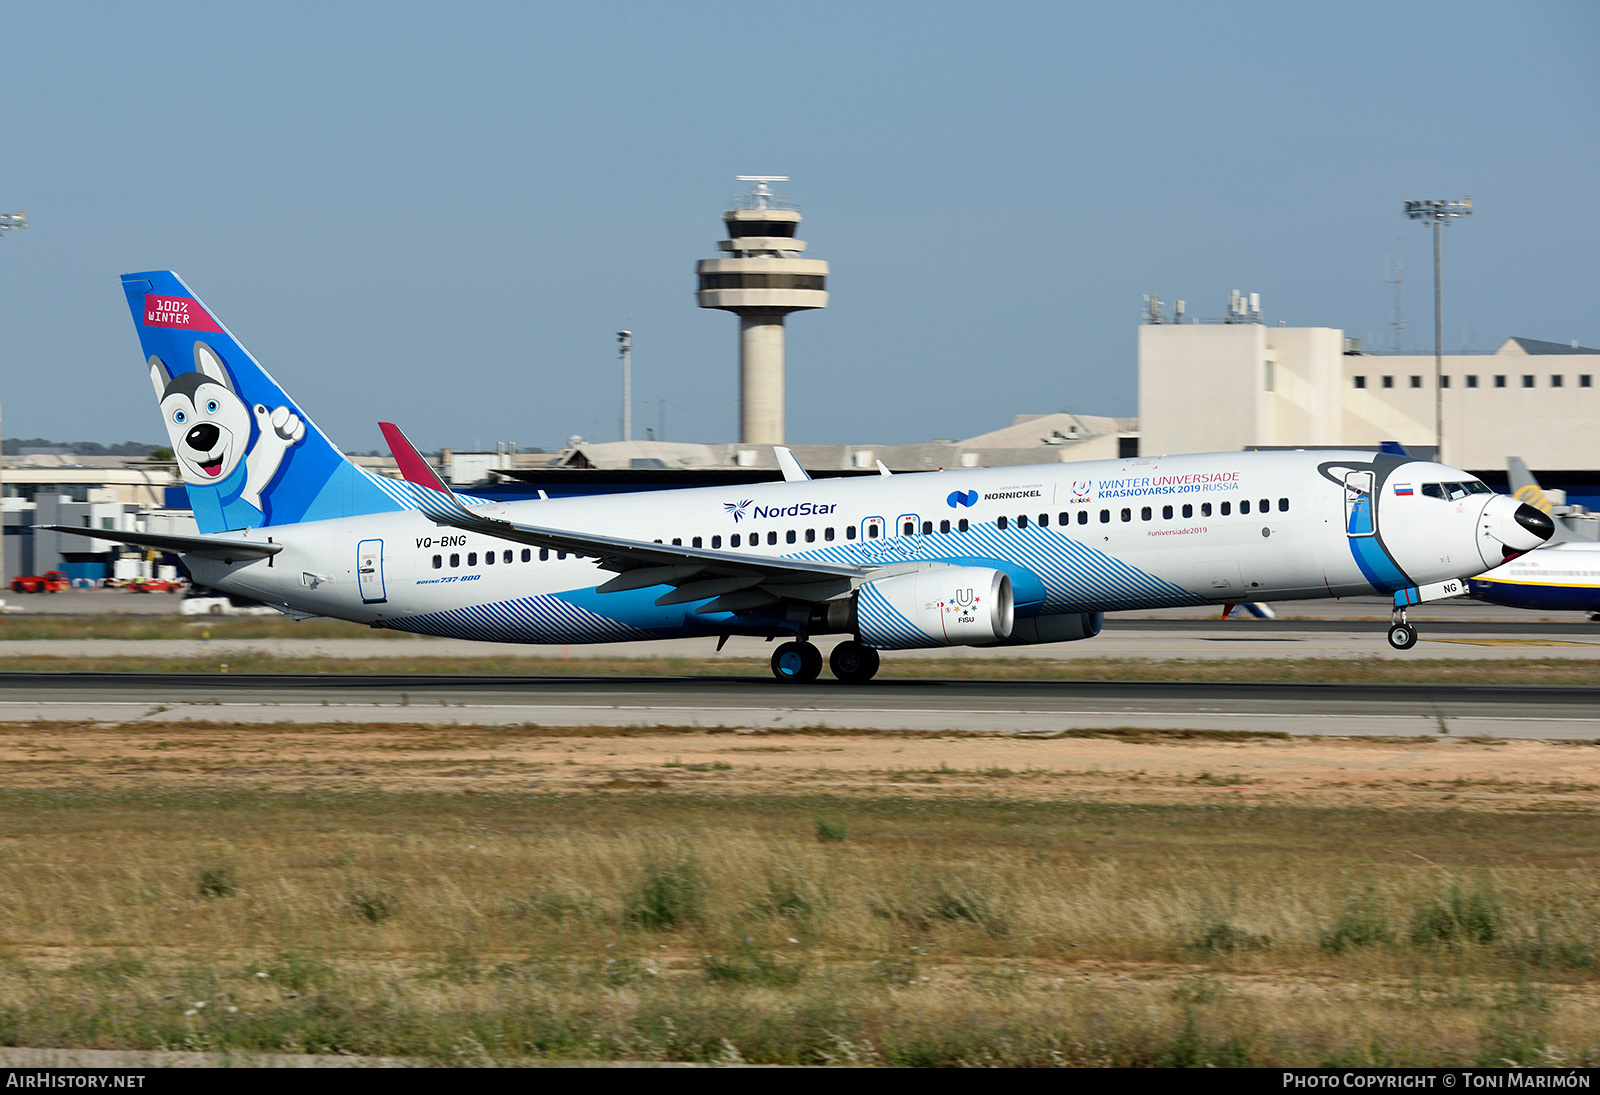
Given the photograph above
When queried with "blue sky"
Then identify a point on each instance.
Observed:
(440, 214)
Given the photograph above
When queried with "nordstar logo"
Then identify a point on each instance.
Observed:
(737, 509)
(962, 498)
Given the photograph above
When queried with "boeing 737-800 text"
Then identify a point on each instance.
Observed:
(980, 557)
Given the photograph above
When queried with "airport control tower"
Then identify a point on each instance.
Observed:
(763, 279)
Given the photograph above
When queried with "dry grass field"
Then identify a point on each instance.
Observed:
(469, 895)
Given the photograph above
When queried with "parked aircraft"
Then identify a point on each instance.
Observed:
(979, 557)
(1564, 575)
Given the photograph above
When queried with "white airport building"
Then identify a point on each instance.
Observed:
(1239, 384)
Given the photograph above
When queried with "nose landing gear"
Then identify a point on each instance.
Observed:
(1402, 636)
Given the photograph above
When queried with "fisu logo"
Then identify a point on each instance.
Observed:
(962, 498)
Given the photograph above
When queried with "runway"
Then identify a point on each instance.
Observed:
(1039, 707)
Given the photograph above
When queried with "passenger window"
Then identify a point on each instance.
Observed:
(1166, 513)
(1224, 509)
(1127, 514)
(1083, 517)
(734, 540)
(438, 561)
(961, 525)
(1188, 511)
(849, 532)
(696, 542)
(872, 532)
(772, 538)
(944, 526)
(1105, 517)
(455, 559)
(472, 558)
(488, 558)
(1063, 518)
(527, 555)
(1283, 505)
(1244, 507)
(1022, 521)
(811, 535)
(1144, 513)
(908, 529)
(789, 536)
(1205, 509)
(544, 554)
(560, 555)
(927, 528)
(1266, 505)
(716, 542)
(677, 541)
(1044, 520)
(1000, 522)
(827, 533)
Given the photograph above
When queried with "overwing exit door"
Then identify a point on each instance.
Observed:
(369, 571)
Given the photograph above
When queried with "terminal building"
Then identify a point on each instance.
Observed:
(1236, 383)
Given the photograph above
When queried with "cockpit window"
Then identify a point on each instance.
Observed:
(1433, 490)
(1453, 491)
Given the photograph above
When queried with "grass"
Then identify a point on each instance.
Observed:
(468, 928)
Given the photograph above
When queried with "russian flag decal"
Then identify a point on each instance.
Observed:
(1402, 489)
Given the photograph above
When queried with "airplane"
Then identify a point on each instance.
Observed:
(1564, 575)
(1008, 556)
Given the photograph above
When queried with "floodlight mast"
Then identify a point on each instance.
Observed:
(625, 350)
(8, 222)
(1438, 213)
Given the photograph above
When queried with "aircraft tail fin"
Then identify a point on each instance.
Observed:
(249, 455)
(1525, 488)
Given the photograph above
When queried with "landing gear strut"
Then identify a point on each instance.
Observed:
(1402, 636)
(796, 661)
(853, 662)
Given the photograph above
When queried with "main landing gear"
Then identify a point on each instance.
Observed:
(851, 662)
(1402, 636)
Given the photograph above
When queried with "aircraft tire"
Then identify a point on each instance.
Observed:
(797, 662)
(853, 662)
(1402, 636)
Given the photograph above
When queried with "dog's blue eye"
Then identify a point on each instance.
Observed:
(177, 416)
(211, 406)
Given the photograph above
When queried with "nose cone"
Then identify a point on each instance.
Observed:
(1535, 522)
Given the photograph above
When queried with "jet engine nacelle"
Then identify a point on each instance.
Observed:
(941, 606)
(1066, 628)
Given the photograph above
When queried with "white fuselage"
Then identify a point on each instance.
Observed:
(1086, 537)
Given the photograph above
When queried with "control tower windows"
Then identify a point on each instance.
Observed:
(1500, 380)
(1585, 380)
(1555, 381)
(1360, 381)
(817, 282)
(1444, 382)
(1416, 382)
(1472, 380)
(1388, 382)
(1527, 380)
(738, 230)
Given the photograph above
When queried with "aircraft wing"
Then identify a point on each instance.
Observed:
(211, 546)
(736, 580)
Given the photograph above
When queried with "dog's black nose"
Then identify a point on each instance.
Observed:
(203, 438)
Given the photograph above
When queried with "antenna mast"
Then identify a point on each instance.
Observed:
(1398, 281)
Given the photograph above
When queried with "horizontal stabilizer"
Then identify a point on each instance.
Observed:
(218, 546)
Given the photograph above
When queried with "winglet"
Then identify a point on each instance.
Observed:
(792, 471)
(413, 468)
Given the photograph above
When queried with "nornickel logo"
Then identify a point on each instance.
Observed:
(962, 498)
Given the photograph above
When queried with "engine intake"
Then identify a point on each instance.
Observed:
(941, 606)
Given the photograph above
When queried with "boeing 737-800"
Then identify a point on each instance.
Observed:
(979, 557)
